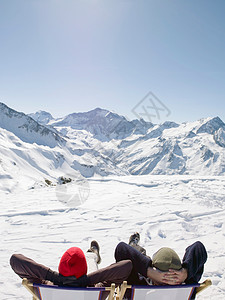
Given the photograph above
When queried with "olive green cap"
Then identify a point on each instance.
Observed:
(165, 259)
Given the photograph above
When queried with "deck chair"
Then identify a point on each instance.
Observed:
(50, 292)
(176, 292)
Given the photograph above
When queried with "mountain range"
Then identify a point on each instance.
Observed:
(35, 148)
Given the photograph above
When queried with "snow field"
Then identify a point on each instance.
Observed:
(172, 211)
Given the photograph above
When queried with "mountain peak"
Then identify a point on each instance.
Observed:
(210, 125)
(102, 124)
(42, 117)
(99, 110)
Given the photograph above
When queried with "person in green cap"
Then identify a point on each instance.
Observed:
(165, 267)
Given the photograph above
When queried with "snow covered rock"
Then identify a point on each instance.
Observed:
(27, 129)
(42, 117)
(219, 137)
(210, 125)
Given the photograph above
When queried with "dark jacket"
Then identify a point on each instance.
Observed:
(193, 260)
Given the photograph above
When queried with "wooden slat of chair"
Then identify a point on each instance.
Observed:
(123, 288)
(203, 285)
(30, 288)
(112, 291)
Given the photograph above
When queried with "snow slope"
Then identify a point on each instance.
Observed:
(172, 211)
(190, 148)
(27, 129)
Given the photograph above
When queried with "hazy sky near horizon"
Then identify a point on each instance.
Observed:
(65, 56)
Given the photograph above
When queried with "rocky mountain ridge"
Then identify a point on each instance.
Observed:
(101, 143)
(27, 129)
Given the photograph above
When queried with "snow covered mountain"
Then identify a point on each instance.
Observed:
(42, 117)
(189, 148)
(26, 128)
(101, 143)
(102, 124)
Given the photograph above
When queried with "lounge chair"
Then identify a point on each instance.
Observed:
(50, 292)
(152, 292)
(177, 292)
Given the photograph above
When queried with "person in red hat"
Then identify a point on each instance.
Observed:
(73, 267)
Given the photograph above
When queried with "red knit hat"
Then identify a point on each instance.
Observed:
(73, 263)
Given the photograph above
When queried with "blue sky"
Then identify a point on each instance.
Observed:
(70, 56)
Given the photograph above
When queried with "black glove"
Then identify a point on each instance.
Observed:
(72, 281)
(82, 281)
